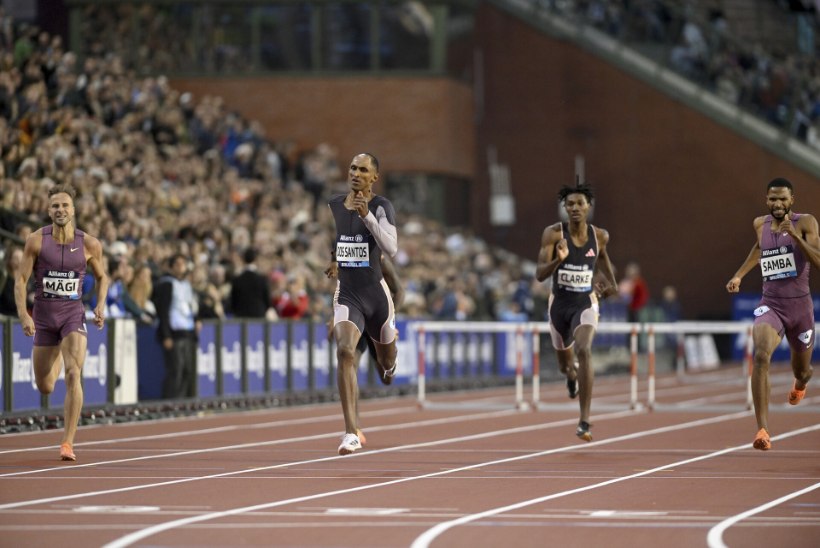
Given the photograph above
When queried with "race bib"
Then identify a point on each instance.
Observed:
(776, 264)
(575, 280)
(353, 254)
(61, 285)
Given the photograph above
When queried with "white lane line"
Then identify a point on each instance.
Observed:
(131, 538)
(483, 435)
(424, 540)
(715, 537)
(260, 444)
(204, 431)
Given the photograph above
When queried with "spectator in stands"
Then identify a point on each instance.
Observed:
(11, 267)
(141, 287)
(669, 304)
(250, 290)
(294, 301)
(634, 290)
(177, 309)
(207, 295)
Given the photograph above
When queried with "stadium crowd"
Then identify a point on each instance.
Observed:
(159, 173)
(779, 84)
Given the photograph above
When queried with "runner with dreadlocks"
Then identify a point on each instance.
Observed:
(570, 253)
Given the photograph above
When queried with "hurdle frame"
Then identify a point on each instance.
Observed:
(634, 329)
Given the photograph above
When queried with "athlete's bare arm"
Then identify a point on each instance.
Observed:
(610, 286)
(552, 253)
(93, 255)
(733, 286)
(805, 234)
(391, 277)
(30, 253)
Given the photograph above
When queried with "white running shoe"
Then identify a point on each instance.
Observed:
(350, 443)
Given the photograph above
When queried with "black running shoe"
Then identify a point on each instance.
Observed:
(572, 388)
(583, 431)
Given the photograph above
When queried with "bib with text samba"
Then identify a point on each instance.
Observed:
(778, 263)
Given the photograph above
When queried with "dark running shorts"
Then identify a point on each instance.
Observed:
(54, 321)
(369, 309)
(791, 317)
(565, 317)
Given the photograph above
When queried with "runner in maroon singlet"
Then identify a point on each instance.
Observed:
(58, 255)
(570, 253)
(787, 244)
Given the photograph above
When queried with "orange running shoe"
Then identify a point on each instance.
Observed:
(67, 452)
(796, 395)
(362, 439)
(762, 441)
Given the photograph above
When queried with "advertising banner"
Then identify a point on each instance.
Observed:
(255, 356)
(206, 361)
(25, 395)
(278, 356)
(231, 354)
(299, 355)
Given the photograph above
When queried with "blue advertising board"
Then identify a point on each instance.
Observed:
(743, 307)
(459, 355)
(320, 356)
(507, 352)
(472, 354)
(24, 393)
(95, 370)
(278, 356)
(150, 364)
(255, 356)
(206, 361)
(406, 359)
(299, 355)
(231, 355)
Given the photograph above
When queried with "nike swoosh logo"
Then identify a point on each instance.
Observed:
(73, 249)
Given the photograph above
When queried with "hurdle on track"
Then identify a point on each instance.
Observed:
(520, 330)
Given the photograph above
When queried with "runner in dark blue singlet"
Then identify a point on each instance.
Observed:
(58, 255)
(787, 244)
(570, 253)
(365, 228)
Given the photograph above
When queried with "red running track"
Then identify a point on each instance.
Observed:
(469, 470)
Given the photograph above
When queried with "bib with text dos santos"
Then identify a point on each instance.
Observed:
(783, 266)
(357, 253)
(573, 277)
(59, 270)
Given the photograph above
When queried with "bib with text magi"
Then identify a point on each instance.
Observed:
(61, 285)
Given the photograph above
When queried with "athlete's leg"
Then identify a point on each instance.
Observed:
(73, 350)
(586, 374)
(566, 363)
(386, 359)
(766, 338)
(347, 336)
(801, 366)
(47, 365)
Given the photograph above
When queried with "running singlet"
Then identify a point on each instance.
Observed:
(357, 252)
(783, 266)
(59, 270)
(572, 280)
